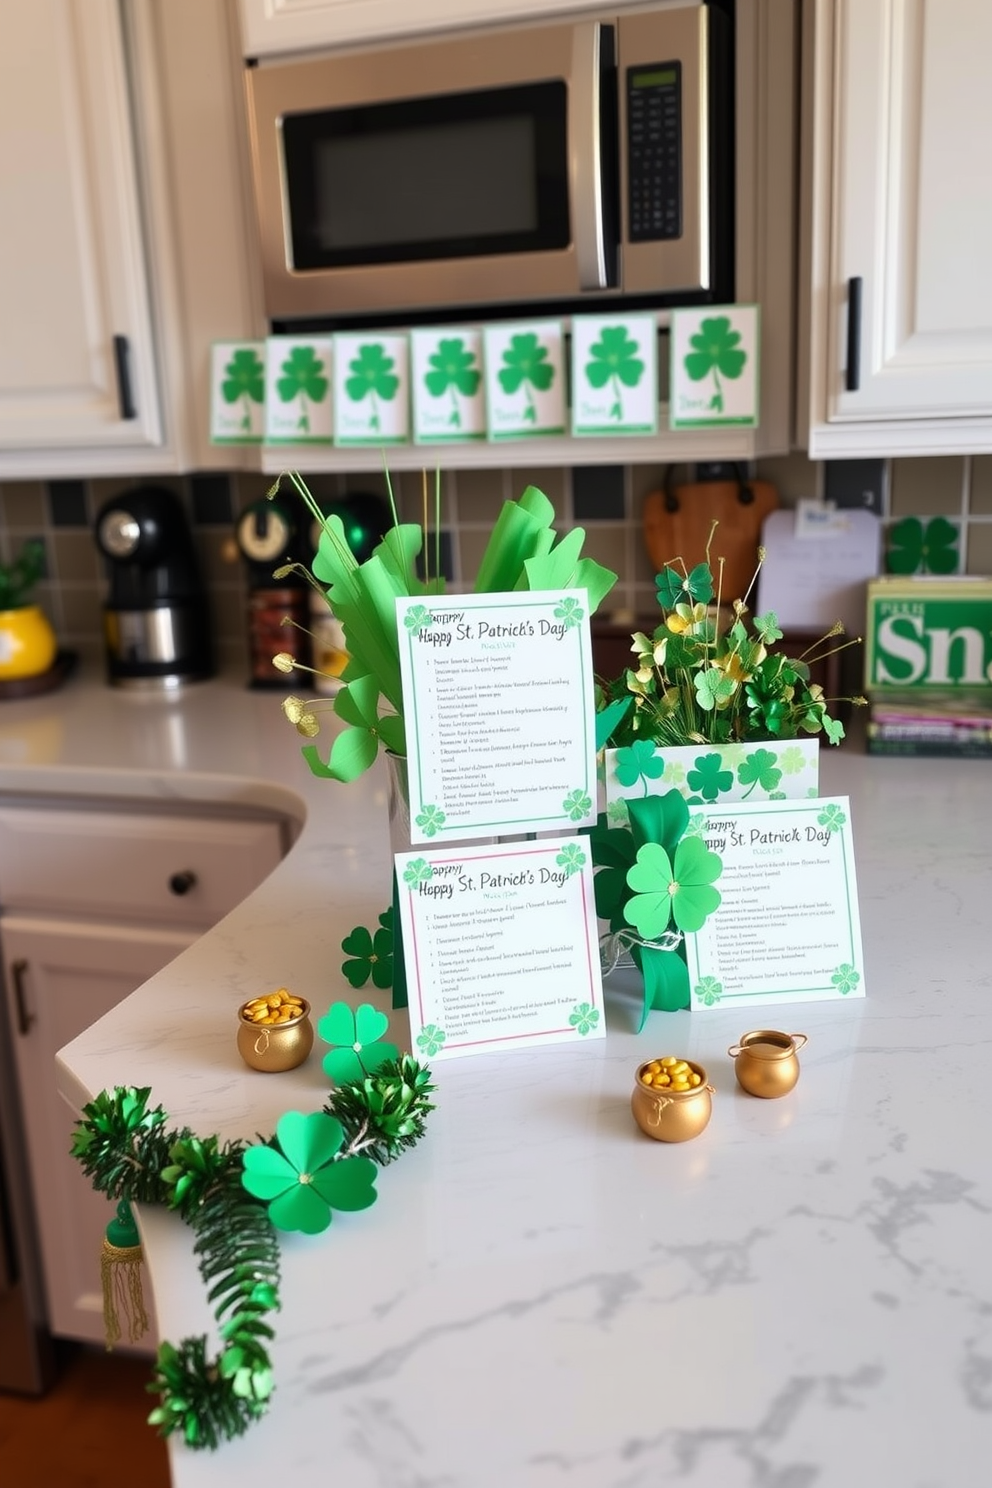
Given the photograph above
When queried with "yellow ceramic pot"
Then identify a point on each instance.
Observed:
(765, 1062)
(672, 1115)
(27, 643)
(278, 1047)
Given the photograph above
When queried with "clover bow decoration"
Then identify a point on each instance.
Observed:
(657, 873)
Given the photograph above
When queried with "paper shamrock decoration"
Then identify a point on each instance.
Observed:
(923, 545)
(358, 1038)
(305, 1180)
(667, 889)
(371, 953)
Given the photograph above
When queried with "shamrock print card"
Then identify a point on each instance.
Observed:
(237, 392)
(714, 367)
(501, 947)
(756, 771)
(449, 403)
(787, 928)
(498, 703)
(371, 395)
(298, 390)
(525, 379)
(614, 374)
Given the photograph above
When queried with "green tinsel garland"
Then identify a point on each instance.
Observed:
(127, 1152)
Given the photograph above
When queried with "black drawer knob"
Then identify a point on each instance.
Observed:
(181, 883)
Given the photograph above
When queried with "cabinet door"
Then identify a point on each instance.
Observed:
(77, 370)
(60, 976)
(911, 215)
(269, 26)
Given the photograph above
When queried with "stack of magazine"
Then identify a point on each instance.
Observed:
(928, 664)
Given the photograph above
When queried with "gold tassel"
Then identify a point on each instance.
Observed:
(120, 1272)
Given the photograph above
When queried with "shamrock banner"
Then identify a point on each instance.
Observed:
(614, 374)
(714, 367)
(371, 396)
(237, 392)
(298, 390)
(525, 379)
(449, 403)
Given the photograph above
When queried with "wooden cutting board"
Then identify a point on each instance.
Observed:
(678, 521)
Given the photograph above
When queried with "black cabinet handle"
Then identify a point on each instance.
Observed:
(122, 362)
(181, 883)
(24, 1018)
(852, 376)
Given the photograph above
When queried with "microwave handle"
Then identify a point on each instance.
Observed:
(585, 149)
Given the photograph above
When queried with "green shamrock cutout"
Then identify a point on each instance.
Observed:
(832, 818)
(571, 858)
(767, 628)
(372, 377)
(917, 548)
(576, 805)
(302, 377)
(430, 820)
(717, 350)
(713, 689)
(571, 612)
(418, 872)
(709, 778)
(614, 360)
(357, 1035)
(845, 978)
(244, 378)
(584, 1018)
(355, 748)
(696, 586)
(417, 618)
(302, 1179)
(372, 953)
(430, 1039)
(708, 991)
(639, 761)
(452, 369)
(759, 768)
(667, 890)
(526, 366)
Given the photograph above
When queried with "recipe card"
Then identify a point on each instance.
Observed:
(498, 702)
(501, 947)
(787, 928)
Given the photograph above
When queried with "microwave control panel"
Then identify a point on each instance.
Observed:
(654, 151)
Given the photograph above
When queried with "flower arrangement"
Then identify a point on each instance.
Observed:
(523, 552)
(702, 679)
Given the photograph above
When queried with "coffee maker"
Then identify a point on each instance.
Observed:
(156, 619)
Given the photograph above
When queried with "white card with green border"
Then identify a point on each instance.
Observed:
(371, 389)
(499, 712)
(298, 406)
(525, 379)
(614, 374)
(714, 376)
(500, 947)
(787, 928)
(237, 392)
(449, 399)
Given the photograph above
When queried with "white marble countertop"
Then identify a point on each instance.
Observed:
(542, 1297)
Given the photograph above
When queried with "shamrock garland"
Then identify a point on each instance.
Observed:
(234, 1196)
(656, 873)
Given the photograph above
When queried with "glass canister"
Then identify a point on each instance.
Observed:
(274, 1047)
(766, 1062)
(672, 1115)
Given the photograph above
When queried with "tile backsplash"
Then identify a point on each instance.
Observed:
(605, 499)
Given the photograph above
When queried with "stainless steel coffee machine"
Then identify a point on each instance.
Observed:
(156, 619)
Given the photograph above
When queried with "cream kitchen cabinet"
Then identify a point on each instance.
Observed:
(271, 26)
(899, 149)
(94, 903)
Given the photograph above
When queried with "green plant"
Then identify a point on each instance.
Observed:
(703, 679)
(17, 579)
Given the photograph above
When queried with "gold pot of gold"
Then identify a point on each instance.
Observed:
(671, 1112)
(766, 1062)
(274, 1031)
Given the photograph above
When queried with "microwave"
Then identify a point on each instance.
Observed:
(539, 168)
